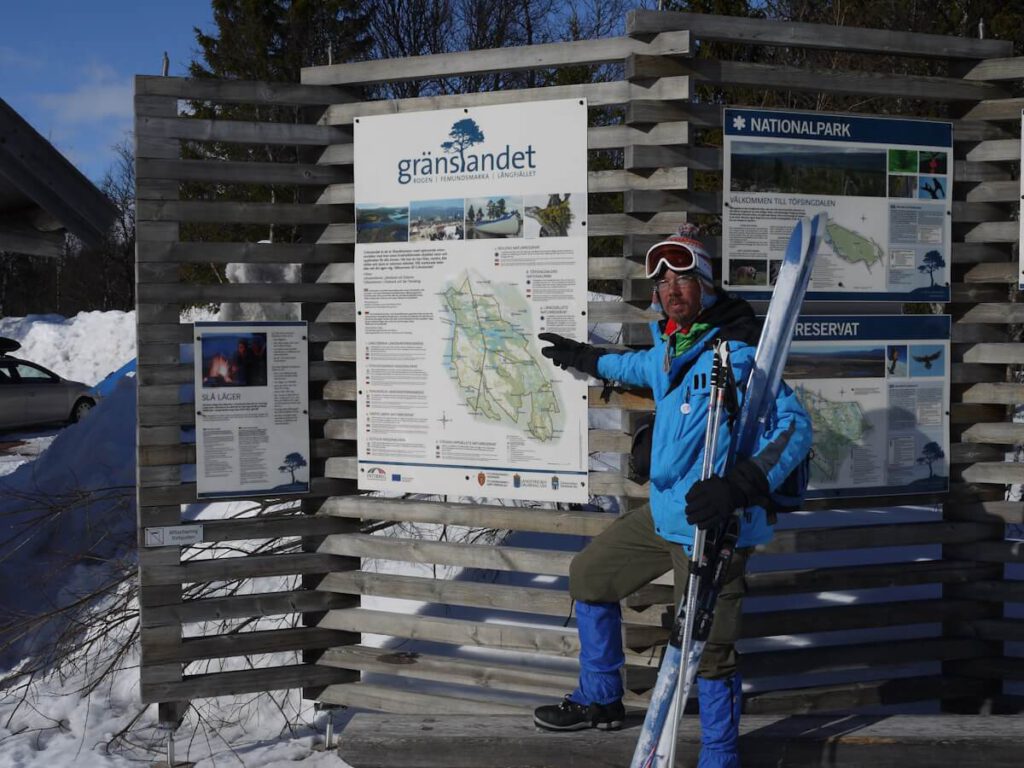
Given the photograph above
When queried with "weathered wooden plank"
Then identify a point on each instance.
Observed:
(238, 91)
(867, 536)
(970, 172)
(652, 201)
(1006, 511)
(995, 192)
(511, 59)
(967, 212)
(993, 232)
(995, 151)
(970, 453)
(274, 292)
(994, 668)
(557, 641)
(448, 669)
(995, 353)
(618, 312)
(596, 94)
(243, 213)
(772, 583)
(247, 643)
(1003, 272)
(240, 131)
(621, 180)
(994, 472)
(243, 681)
(866, 694)
(695, 158)
(548, 602)
(1009, 394)
(472, 515)
(994, 313)
(243, 606)
(251, 253)
(992, 590)
(991, 551)
(873, 615)
(1011, 68)
(449, 553)
(624, 224)
(618, 136)
(32, 242)
(341, 429)
(235, 172)
(246, 567)
(772, 76)
(734, 29)
(996, 109)
(404, 700)
(1004, 433)
(1007, 630)
(427, 740)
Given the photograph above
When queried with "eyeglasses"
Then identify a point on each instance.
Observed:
(673, 281)
(674, 256)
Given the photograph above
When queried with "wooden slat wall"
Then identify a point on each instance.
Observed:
(940, 632)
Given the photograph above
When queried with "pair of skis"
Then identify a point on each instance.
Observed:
(656, 745)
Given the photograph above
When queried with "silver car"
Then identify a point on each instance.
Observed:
(31, 394)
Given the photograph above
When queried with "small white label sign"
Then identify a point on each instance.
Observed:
(174, 535)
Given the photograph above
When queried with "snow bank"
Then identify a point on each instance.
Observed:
(82, 348)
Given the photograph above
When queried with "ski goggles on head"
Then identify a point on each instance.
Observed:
(680, 254)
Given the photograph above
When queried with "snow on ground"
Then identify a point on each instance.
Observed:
(58, 543)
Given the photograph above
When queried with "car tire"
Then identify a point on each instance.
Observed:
(82, 407)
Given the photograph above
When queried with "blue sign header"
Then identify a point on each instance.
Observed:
(820, 126)
(871, 327)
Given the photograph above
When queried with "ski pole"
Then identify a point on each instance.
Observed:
(650, 747)
(698, 563)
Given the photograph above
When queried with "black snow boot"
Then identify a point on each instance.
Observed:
(569, 715)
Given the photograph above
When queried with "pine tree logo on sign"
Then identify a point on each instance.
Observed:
(458, 164)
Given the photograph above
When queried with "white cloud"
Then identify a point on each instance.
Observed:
(103, 96)
(10, 58)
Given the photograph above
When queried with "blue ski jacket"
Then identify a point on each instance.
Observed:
(677, 451)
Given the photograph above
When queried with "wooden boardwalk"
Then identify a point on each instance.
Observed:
(794, 741)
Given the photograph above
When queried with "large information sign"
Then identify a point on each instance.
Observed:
(471, 240)
(1020, 239)
(877, 390)
(252, 409)
(884, 183)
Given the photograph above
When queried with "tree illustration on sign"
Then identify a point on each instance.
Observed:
(932, 262)
(292, 462)
(931, 453)
(464, 134)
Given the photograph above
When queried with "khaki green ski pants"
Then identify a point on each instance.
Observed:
(629, 554)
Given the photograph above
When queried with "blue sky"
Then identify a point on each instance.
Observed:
(67, 66)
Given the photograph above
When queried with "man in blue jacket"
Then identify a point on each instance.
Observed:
(643, 544)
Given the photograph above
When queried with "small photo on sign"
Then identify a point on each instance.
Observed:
(931, 188)
(903, 186)
(903, 160)
(497, 216)
(234, 359)
(926, 360)
(437, 220)
(896, 360)
(933, 162)
(379, 223)
(748, 272)
(554, 215)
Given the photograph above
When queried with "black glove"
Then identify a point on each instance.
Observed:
(711, 501)
(566, 353)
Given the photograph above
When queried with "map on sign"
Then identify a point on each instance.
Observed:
(489, 356)
(851, 246)
(839, 425)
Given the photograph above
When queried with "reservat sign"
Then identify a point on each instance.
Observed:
(877, 390)
(470, 240)
(885, 184)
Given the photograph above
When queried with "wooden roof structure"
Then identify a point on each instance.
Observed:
(42, 194)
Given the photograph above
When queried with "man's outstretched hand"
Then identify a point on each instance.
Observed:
(711, 501)
(566, 353)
